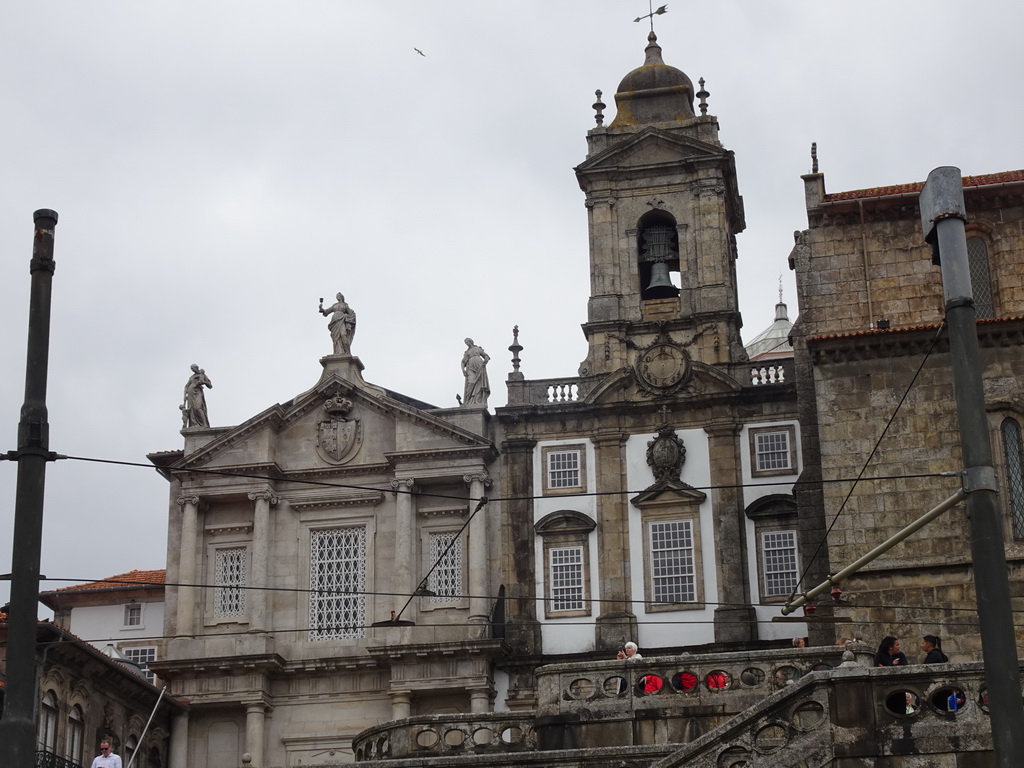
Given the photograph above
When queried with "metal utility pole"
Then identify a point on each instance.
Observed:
(942, 218)
(18, 726)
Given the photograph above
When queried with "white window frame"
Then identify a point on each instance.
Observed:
(564, 530)
(566, 575)
(49, 711)
(74, 740)
(141, 656)
(133, 616)
(768, 592)
(351, 583)
(553, 484)
(685, 528)
(789, 450)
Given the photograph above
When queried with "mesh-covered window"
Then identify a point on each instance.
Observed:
(337, 583)
(142, 657)
(564, 469)
(566, 565)
(673, 572)
(778, 554)
(228, 597)
(446, 580)
(981, 277)
(772, 450)
(1014, 474)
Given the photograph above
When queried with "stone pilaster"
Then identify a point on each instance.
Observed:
(479, 583)
(185, 619)
(522, 630)
(405, 533)
(617, 621)
(258, 621)
(178, 757)
(734, 617)
(255, 736)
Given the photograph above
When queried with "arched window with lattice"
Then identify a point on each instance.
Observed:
(981, 276)
(1013, 456)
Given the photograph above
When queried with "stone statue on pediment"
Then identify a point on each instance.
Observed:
(474, 368)
(193, 409)
(342, 324)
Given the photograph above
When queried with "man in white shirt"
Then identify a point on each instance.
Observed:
(106, 758)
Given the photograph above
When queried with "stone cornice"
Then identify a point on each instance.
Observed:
(321, 501)
(177, 668)
(486, 453)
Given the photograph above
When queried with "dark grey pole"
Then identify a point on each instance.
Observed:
(18, 726)
(942, 216)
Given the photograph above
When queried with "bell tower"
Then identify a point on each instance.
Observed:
(664, 211)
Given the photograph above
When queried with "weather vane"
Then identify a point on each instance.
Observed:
(662, 9)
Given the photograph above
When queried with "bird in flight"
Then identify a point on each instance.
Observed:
(421, 53)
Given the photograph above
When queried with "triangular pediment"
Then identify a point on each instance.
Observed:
(669, 492)
(621, 386)
(336, 424)
(651, 147)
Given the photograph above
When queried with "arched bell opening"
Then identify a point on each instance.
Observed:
(658, 256)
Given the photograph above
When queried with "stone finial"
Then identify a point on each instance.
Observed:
(599, 108)
(703, 94)
(515, 347)
(814, 157)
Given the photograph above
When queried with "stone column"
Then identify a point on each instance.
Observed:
(257, 598)
(479, 583)
(734, 617)
(185, 619)
(616, 623)
(479, 700)
(405, 544)
(178, 757)
(401, 704)
(255, 718)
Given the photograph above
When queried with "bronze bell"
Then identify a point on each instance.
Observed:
(660, 286)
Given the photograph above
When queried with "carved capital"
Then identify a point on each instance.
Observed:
(265, 494)
(183, 500)
(482, 477)
(406, 484)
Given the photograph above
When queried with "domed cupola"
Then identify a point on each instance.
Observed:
(653, 93)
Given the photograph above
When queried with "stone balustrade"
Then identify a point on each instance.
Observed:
(546, 391)
(447, 735)
(768, 374)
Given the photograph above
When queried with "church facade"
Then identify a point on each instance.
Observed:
(349, 568)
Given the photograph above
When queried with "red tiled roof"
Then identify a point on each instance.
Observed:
(914, 188)
(122, 580)
(903, 329)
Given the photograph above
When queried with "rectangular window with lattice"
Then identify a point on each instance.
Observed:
(779, 563)
(1013, 459)
(563, 469)
(672, 562)
(133, 616)
(141, 657)
(445, 581)
(773, 451)
(566, 578)
(337, 583)
(230, 566)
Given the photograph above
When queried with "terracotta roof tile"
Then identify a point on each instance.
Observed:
(904, 329)
(122, 581)
(914, 188)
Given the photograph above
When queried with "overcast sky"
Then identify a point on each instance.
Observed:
(219, 166)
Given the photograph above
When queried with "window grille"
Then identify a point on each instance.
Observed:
(564, 469)
(566, 578)
(778, 554)
(673, 572)
(133, 615)
(446, 580)
(1014, 474)
(230, 576)
(981, 278)
(141, 657)
(772, 449)
(337, 582)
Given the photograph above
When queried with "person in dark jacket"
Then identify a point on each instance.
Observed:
(932, 647)
(889, 653)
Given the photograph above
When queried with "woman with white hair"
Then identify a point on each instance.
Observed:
(629, 651)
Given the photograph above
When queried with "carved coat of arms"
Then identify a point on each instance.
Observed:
(338, 437)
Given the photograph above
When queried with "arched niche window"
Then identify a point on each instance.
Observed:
(981, 276)
(48, 723)
(75, 735)
(1013, 455)
(778, 545)
(658, 256)
(131, 745)
(566, 536)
